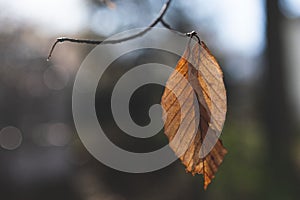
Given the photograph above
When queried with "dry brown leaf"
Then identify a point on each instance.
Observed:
(196, 88)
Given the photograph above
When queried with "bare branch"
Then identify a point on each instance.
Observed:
(86, 41)
(165, 24)
(161, 13)
(65, 39)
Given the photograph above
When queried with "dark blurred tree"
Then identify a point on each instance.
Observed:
(282, 179)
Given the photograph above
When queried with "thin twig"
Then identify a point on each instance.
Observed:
(165, 24)
(65, 39)
(141, 33)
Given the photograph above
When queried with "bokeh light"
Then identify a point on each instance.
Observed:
(10, 138)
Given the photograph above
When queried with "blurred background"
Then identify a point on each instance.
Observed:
(41, 157)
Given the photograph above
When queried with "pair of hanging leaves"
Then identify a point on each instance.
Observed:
(194, 111)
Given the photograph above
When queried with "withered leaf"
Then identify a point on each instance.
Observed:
(194, 110)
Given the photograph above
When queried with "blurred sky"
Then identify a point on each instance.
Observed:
(52, 16)
(238, 24)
